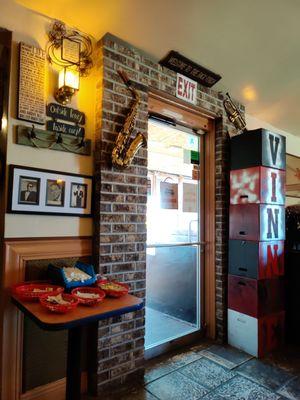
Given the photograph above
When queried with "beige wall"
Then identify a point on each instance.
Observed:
(32, 29)
(292, 141)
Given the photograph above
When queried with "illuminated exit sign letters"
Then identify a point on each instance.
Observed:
(186, 89)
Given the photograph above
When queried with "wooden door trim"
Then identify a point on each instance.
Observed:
(196, 117)
(16, 254)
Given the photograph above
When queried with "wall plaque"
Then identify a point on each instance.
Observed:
(70, 50)
(57, 111)
(184, 66)
(31, 98)
(61, 127)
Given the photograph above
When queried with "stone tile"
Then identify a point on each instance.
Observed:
(265, 374)
(157, 370)
(176, 387)
(207, 373)
(227, 356)
(240, 388)
(291, 390)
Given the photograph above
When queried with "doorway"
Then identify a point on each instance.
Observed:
(174, 233)
(180, 291)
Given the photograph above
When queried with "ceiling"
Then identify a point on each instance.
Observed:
(252, 44)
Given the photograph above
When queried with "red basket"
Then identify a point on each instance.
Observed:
(111, 292)
(89, 302)
(26, 291)
(60, 308)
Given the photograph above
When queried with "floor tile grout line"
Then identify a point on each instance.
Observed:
(168, 373)
(286, 383)
(148, 391)
(210, 389)
(255, 381)
(231, 369)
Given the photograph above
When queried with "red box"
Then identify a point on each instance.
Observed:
(255, 298)
(258, 222)
(258, 185)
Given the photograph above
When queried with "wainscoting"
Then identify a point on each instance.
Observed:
(16, 254)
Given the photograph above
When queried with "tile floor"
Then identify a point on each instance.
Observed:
(212, 372)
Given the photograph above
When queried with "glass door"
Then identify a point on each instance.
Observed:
(173, 234)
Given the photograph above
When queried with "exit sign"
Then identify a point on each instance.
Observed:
(186, 89)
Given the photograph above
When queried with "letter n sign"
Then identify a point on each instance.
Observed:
(272, 222)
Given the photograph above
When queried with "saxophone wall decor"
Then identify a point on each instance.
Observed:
(125, 148)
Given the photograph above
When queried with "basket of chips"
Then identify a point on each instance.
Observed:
(113, 288)
(88, 296)
(81, 274)
(32, 291)
(60, 303)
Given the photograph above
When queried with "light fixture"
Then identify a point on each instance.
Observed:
(68, 85)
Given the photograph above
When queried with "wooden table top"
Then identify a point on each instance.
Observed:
(82, 315)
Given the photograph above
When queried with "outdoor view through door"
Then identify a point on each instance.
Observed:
(173, 234)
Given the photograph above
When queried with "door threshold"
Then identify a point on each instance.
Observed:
(192, 338)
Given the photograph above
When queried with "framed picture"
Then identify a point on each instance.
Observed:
(292, 179)
(78, 195)
(29, 190)
(41, 191)
(55, 193)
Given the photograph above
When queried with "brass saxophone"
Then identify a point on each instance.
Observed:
(125, 148)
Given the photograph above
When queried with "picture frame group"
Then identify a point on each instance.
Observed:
(41, 191)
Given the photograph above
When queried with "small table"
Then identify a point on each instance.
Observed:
(73, 321)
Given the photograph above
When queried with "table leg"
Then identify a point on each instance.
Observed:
(73, 364)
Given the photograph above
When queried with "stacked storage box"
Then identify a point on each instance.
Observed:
(256, 245)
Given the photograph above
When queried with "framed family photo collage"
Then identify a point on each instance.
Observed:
(40, 191)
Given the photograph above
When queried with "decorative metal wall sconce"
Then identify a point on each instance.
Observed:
(234, 115)
(125, 148)
(72, 51)
(68, 85)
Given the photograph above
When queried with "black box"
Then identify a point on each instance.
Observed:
(258, 147)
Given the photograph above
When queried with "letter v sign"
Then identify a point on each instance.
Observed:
(274, 148)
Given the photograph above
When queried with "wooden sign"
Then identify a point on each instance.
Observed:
(186, 89)
(184, 66)
(31, 99)
(61, 127)
(57, 111)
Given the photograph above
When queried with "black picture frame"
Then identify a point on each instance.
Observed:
(13, 207)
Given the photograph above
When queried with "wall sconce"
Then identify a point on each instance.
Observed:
(68, 85)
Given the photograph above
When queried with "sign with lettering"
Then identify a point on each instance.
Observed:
(169, 195)
(186, 89)
(31, 96)
(57, 111)
(183, 65)
(61, 127)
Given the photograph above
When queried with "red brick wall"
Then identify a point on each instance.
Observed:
(120, 209)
